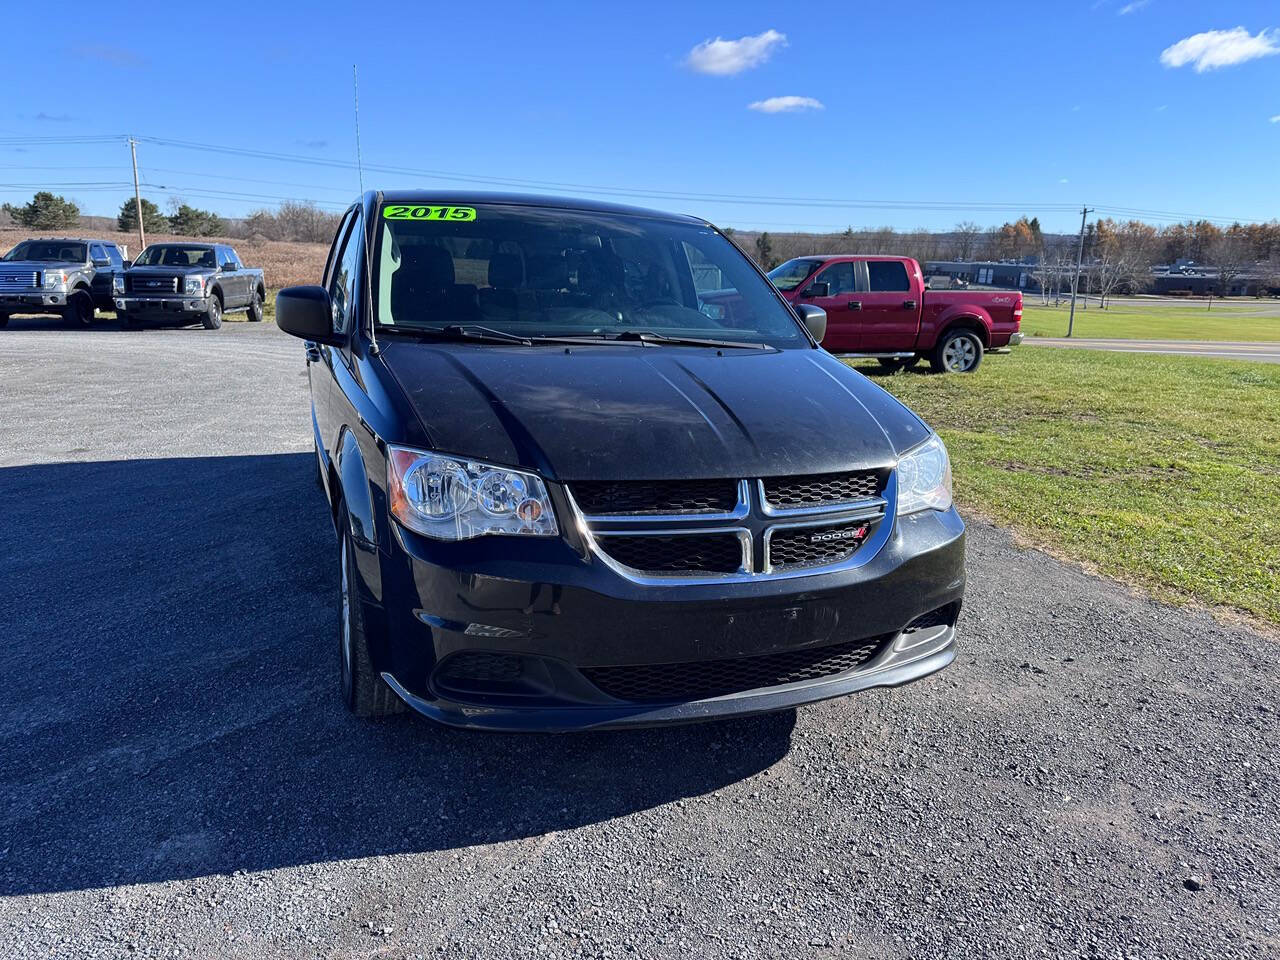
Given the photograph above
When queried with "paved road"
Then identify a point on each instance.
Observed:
(1231, 350)
(179, 778)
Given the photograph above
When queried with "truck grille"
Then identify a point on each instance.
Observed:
(18, 280)
(791, 547)
(822, 489)
(680, 553)
(656, 496)
(678, 682)
(151, 284)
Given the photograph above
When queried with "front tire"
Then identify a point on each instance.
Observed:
(364, 692)
(959, 351)
(255, 308)
(212, 320)
(79, 310)
(4, 320)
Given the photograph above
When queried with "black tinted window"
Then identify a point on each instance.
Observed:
(887, 275)
(546, 271)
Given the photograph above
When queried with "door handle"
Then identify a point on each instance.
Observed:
(908, 304)
(855, 304)
(313, 351)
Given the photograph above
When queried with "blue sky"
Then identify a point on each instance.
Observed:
(1021, 107)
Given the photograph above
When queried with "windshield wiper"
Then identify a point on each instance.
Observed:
(455, 331)
(648, 336)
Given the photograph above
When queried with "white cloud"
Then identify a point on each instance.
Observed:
(723, 58)
(786, 105)
(1133, 7)
(1276, 118)
(1221, 48)
(1064, 180)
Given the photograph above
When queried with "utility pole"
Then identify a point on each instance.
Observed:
(137, 196)
(1071, 321)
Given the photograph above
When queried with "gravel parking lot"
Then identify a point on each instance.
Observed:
(1096, 775)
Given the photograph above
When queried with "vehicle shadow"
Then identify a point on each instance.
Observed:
(55, 324)
(172, 710)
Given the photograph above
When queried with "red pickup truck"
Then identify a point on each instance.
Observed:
(878, 306)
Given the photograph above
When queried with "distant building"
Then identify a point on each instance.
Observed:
(1181, 278)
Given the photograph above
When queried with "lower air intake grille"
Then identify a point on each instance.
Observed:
(934, 618)
(656, 496)
(713, 678)
(821, 489)
(694, 553)
(815, 546)
(479, 668)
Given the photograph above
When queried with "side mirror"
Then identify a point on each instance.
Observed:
(227, 267)
(104, 262)
(127, 264)
(815, 319)
(307, 313)
(819, 288)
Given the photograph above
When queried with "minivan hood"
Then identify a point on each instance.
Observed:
(654, 413)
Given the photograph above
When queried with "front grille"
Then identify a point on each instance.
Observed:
(822, 489)
(791, 547)
(18, 280)
(680, 553)
(714, 678)
(151, 284)
(656, 496)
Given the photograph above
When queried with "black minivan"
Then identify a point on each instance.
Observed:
(587, 468)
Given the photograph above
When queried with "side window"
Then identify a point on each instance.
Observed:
(232, 258)
(96, 252)
(839, 276)
(332, 260)
(887, 276)
(342, 286)
(113, 254)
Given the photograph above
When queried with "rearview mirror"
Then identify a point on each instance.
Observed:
(306, 313)
(819, 288)
(815, 320)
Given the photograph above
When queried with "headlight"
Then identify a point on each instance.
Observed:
(452, 498)
(54, 279)
(117, 284)
(194, 285)
(924, 478)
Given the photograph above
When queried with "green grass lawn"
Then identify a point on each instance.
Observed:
(1161, 471)
(1238, 320)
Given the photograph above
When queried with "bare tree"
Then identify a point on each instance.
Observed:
(966, 233)
(1231, 253)
(1125, 252)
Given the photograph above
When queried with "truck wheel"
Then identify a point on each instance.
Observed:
(255, 308)
(212, 320)
(4, 320)
(959, 351)
(79, 310)
(363, 691)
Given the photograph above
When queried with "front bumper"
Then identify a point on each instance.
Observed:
(161, 305)
(568, 622)
(34, 302)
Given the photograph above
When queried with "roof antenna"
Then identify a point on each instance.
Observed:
(368, 259)
(355, 87)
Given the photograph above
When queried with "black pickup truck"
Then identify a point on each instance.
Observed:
(68, 277)
(188, 282)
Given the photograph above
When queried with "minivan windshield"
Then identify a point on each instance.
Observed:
(789, 275)
(47, 251)
(171, 255)
(533, 271)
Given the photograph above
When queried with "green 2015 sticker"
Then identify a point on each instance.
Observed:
(395, 211)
